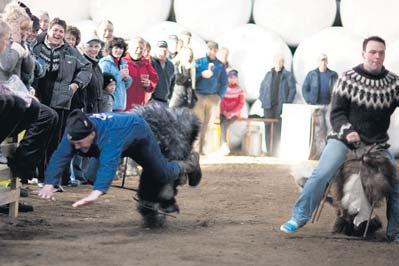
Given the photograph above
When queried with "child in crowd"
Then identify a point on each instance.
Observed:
(107, 98)
(230, 107)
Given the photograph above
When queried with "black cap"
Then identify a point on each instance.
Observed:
(162, 44)
(108, 78)
(78, 126)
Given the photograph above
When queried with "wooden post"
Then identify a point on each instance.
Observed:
(9, 196)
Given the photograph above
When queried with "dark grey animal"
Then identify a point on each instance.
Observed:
(175, 128)
(377, 176)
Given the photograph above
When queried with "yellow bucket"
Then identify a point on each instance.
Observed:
(4, 184)
(215, 132)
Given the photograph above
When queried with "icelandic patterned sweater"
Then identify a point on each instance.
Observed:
(363, 102)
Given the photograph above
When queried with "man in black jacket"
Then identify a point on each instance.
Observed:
(166, 74)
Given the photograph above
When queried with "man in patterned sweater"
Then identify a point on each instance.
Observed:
(362, 103)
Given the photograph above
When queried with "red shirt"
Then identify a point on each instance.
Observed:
(136, 93)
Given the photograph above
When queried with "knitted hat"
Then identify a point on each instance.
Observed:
(78, 126)
(108, 78)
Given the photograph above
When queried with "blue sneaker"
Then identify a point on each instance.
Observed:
(289, 227)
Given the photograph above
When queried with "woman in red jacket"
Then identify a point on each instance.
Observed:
(230, 107)
(144, 76)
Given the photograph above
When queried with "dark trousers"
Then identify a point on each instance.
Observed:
(157, 170)
(224, 125)
(275, 114)
(15, 116)
(57, 133)
(32, 148)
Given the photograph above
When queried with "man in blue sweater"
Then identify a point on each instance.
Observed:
(211, 85)
(110, 136)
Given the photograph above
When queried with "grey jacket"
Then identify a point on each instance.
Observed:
(106, 103)
(74, 68)
(12, 64)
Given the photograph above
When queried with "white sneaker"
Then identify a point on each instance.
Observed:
(224, 149)
(34, 181)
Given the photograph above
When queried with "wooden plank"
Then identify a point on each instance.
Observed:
(13, 211)
(9, 196)
(5, 172)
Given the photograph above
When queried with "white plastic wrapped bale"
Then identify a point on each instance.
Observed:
(162, 30)
(210, 18)
(393, 132)
(295, 20)
(87, 29)
(392, 64)
(237, 130)
(298, 96)
(71, 10)
(371, 17)
(342, 55)
(130, 17)
(391, 56)
(252, 52)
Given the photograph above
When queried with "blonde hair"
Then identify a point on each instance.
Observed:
(191, 54)
(14, 15)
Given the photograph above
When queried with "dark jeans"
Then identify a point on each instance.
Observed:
(15, 116)
(272, 113)
(32, 148)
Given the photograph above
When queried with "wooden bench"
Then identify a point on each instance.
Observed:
(271, 121)
(9, 194)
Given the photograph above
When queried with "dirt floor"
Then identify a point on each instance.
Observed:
(232, 218)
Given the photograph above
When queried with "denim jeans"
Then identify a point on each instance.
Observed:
(332, 158)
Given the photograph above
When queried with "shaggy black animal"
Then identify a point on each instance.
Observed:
(176, 130)
(377, 176)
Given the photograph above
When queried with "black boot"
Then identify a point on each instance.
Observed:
(22, 207)
(190, 169)
(150, 213)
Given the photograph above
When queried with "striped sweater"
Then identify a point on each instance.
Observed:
(232, 102)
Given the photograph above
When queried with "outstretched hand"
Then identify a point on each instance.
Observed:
(46, 192)
(91, 198)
